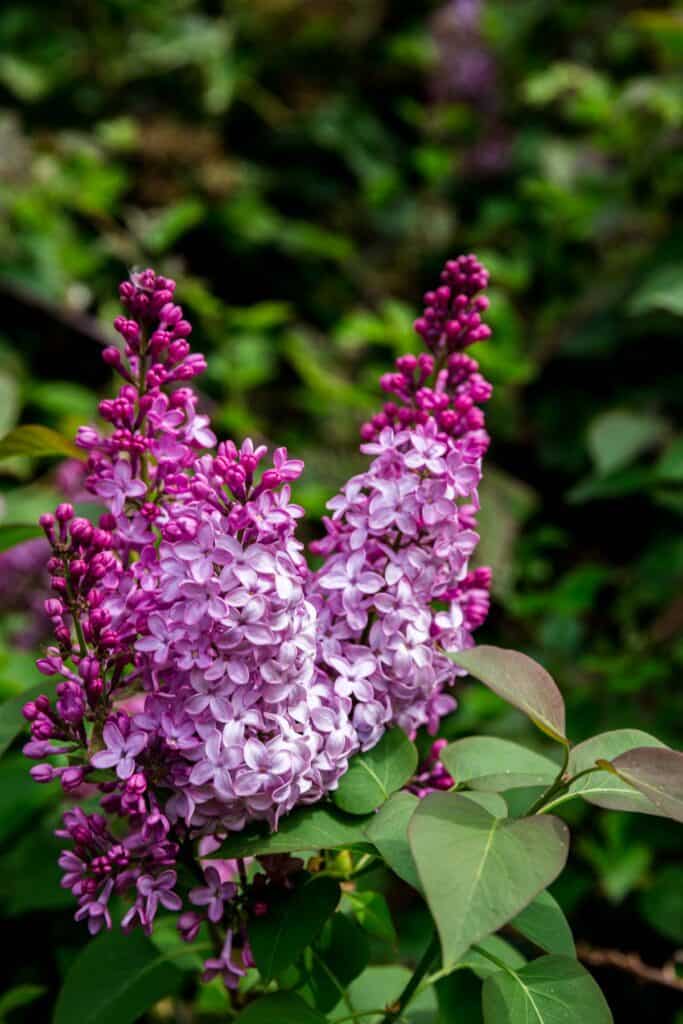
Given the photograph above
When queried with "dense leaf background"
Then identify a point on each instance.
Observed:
(303, 168)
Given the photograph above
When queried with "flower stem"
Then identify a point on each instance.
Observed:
(418, 974)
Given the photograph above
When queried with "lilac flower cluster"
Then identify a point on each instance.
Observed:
(207, 678)
(395, 591)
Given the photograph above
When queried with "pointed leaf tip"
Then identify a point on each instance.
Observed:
(520, 681)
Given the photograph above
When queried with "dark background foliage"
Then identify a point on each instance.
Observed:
(303, 169)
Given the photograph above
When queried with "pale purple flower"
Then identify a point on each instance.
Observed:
(121, 751)
(120, 486)
(214, 895)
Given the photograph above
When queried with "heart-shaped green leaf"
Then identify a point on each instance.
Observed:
(479, 871)
(657, 773)
(320, 827)
(520, 681)
(551, 990)
(340, 954)
(603, 788)
(491, 802)
(374, 775)
(291, 924)
(34, 439)
(490, 763)
(116, 978)
(544, 924)
(388, 831)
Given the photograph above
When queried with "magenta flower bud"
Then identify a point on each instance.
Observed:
(270, 479)
(59, 584)
(47, 523)
(29, 711)
(81, 530)
(111, 355)
(42, 773)
(136, 784)
(101, 539)
(94, 688)
(178, 350)
(189, 924)
(78, 568)
(38, 748)
(42, 728)
(71, 778)
(64, 512)
(54, 609)
(182, 397)
(89, 667)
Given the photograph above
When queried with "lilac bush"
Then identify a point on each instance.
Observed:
(206, 677)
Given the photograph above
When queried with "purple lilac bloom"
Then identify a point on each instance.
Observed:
(206, 675)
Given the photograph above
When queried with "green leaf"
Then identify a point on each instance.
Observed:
(657, 773)
(310, 828)
(33, 439)
(618, 436)
(281, 1007)
(338, 956)
(520, 681)
(662, 903)
(279, 937)
(372, 913)
(20, 995)
(491, 802)
(380, 986)
(17, 533)
(475, 961)
(115, 979)
(489, 763)
(21, 799)
(661, 290)
(374, 775)
(478, 871)
(602, 787)
(669, 468)
(388, 831)
(29, 873)
(551, 990)
(544, 924)
(12, 720)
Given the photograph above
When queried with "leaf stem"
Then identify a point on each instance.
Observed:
(562, 795)
(494, 959)
(418, 974)
(556, 786)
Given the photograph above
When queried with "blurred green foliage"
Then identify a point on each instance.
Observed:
(303, 168)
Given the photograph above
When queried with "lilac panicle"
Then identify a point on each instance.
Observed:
(205, 677)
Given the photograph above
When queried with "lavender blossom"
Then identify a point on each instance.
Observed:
(206, 678)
